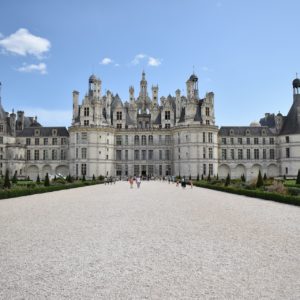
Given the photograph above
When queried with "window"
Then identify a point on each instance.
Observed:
(62, 154)
(248, 141)
(167, 154)
(211, 169)
(271, 141)
(231, 141)
(287, 152)
(150, 139)
(144, 156)
(167, 126)
(240, 153)
(126, 139)
(150, 154)
(45, 154)
(76, 169)
(168, 139)
(28, 155)
(240, 141)
(28, 141)
(37, 132)
(264, 141)
(272, 154)
(207, 122)
(210, 153)
(224, 141)
(77, 137)
(287, 139)
(36, 154)
(54, 154)
(160, 139)
(54, 141)
(256, 153)
(136, 154)
(119, 140)
(1, 128)
(144, 140)
(160, 155)
(136, 140)
(264, 154)
(83, 153)
(204, 169)
(83, 137)
(248, 154)
(207, 111)
(126, 154)
(286, 170)
(160, 170)
(1, 139)
(119, 115)
(86, 122)
(204, 152)
(232, 153)
(118, 154)
(86, 111)
(126, 170)
(203, 137)
(167, 115)
(224, 154)
(36, 141)
(210, 137)
(119, 170)
(150, 170)
(77, 151)
(119, 126)
(83, 169)
(63, 141)
(54, 132)
(255, 141)
(45, 141)
(136, 169)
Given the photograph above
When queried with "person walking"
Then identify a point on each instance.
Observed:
(183, 183)
(191, 183)
(131, 182)
(138, 182)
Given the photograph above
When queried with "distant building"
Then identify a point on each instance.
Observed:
(150, 136)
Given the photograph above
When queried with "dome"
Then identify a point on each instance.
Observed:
(296, 83)
(92, 78)
(255, 124)
(193, 77)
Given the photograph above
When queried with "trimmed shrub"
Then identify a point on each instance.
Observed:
(93, 178)
(227, 181)
(6, 184)
(259, 181)
(202, 177)
(217, 177)
(198, 177)
(243, 179)
(298, 178)
(38, 180)
(265, 177)
(208, 177)
(47, 181)
(14, 179)
(101, 178)
(83, 178)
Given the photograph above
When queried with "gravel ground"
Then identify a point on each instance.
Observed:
(158, 242)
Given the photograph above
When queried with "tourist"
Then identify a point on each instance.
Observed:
(183, 182)
(191, 183)
(131, 182)
(138, 182)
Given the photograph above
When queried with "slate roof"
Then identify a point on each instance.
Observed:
(268, 120)
(241, 131)
(44, 131)
(291, 123)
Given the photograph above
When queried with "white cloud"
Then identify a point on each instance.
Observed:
(22, 42)
(106, 61)
(138, 58)
(154, 62)
(48, 117)
(40, 68)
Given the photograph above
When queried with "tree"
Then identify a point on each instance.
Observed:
(208, 177)
(38, 180)
(94, 177)
(83, 178)
(265, 177)
(298, 178)
(202, 177)
(227, 181)
(259, 181)
(6, 180)
(14, 179)
(217, 176)
(47, 181)
(198, 178)
(243, 179)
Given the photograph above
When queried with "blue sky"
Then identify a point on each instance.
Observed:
(246, 52)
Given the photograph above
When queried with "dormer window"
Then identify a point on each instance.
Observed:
(231, 132)
(207, 111)
(167, 115)
(36, 132)
(119, 115)
(86, 111)
(54, 132)
(247, 132)
(263, 132)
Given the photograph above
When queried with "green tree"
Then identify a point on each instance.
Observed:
(83, 178)
(198, 177)
(259, 181)
(298, 178)
(47, 181)
(208, 177)
(265, 177)
(217, 176)
(38, 180)
(227, 181)
(94, 177)
(6, 184)
(202, 177)
(243, 179)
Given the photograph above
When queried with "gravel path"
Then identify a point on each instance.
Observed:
(159, 242)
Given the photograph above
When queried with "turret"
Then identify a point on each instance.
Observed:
(296, 88)
(192, 87)
(20, 120)
(75, 105)
(12, 121)
(178, 105)
(155, 93)
(131, 93)
(94, 87)
(143, 86)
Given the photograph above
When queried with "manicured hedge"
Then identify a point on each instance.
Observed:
(18, 192)
(287, 199)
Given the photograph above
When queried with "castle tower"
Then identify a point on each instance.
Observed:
(94, 87)
(131, 93)
(143, 86)
(155, 93)
(192, 87)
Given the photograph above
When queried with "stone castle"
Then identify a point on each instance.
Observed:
(150, 136)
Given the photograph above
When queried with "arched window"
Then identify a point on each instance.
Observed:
(136, 140)
(144, 140)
